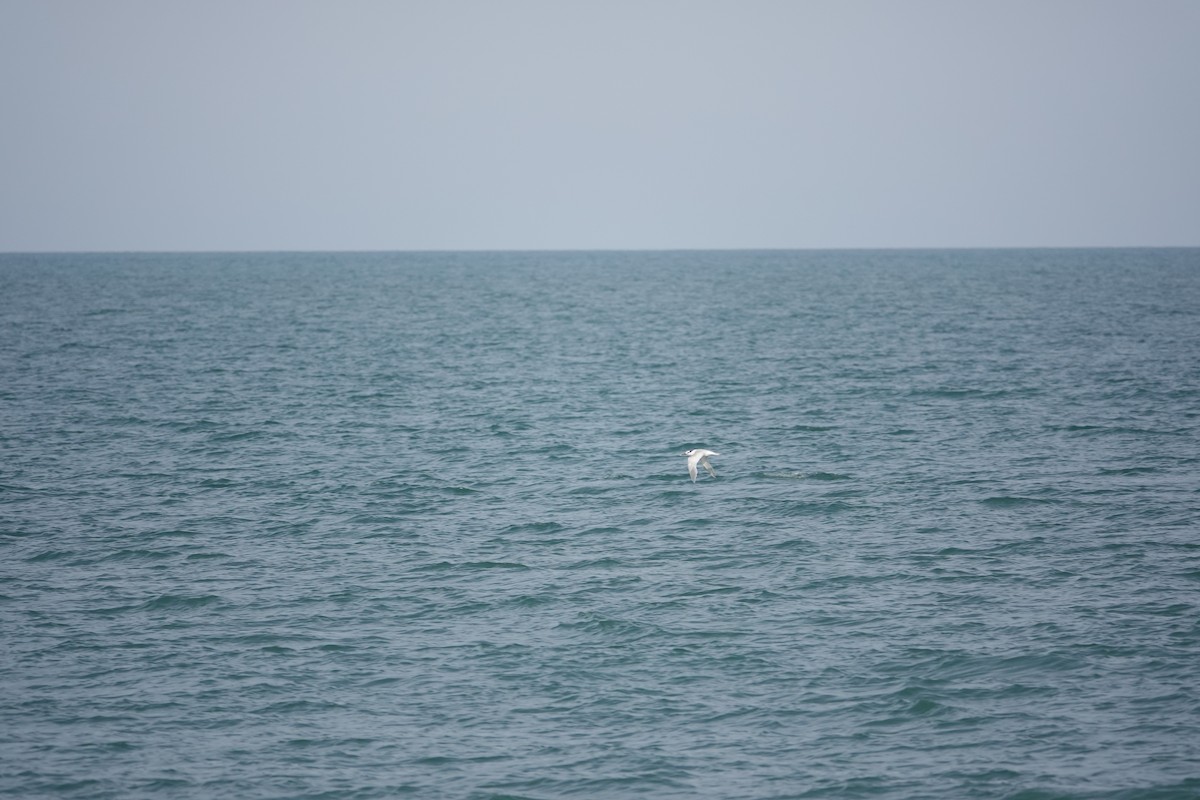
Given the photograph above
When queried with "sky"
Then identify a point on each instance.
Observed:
(598, 124)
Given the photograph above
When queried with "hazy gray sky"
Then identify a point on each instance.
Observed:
(281, 124)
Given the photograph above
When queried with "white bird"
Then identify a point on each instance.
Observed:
(699, 456)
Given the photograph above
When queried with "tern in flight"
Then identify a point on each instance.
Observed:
(699, 456)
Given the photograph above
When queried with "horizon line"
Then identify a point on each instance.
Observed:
(298, 251)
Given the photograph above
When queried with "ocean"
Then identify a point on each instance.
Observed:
(374, 525)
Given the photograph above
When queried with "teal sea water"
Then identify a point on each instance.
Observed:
(388, 525)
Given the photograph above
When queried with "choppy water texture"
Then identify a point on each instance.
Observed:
(375, 525)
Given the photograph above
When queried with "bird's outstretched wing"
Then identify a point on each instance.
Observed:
(692, 465)
(707, 467)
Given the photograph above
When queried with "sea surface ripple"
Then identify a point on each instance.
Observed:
(415, 524)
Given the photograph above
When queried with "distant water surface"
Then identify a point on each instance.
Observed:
(380, 525)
